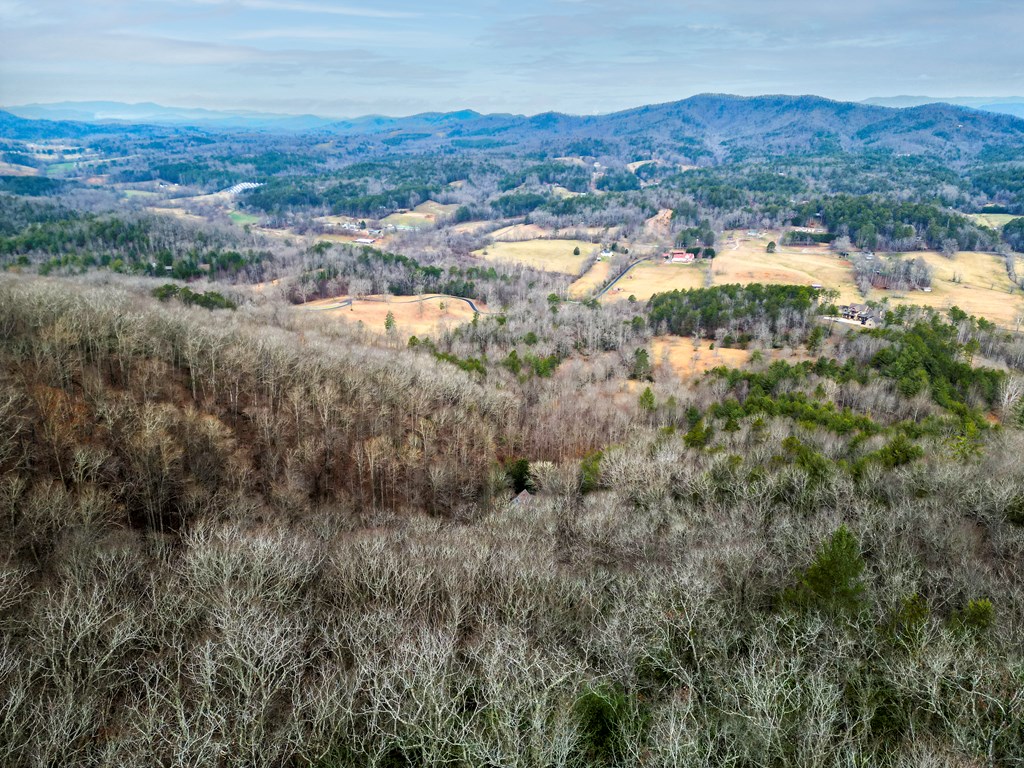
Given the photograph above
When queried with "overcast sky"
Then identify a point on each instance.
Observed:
(402, 56)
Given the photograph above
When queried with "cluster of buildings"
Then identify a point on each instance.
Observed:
(860, 313)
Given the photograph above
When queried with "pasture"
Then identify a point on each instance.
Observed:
(745, 259)
(546, 255)
(651, 277)
(425, 214)
(591, 280)
(13, 169)
(975, 282)
(992, 220)
(243, 219)
(519, 232)
(414, 315)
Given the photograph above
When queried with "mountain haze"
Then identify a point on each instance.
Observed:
(708, 126)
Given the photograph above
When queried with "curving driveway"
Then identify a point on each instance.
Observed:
(342, 303)
(621, 275)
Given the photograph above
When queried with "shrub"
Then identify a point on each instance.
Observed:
(832, 583)
(607, 723)
(975, 618)
(518, 471)
(646, 400)
(699, 435)
(590, 471)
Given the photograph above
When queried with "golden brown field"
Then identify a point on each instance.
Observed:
(412, 317)
(548, 255)
(649, 278)
(11, 169)
(975, 282)
(424, 214)
(742, 259)
(685, 360)
(591, 280)
(520, 232)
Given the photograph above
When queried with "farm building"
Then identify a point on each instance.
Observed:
(679, 257)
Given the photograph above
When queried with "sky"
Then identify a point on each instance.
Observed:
(399, 57)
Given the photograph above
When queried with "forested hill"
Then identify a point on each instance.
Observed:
(721, 126)
(701, 128)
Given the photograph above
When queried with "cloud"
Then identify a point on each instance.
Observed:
(298, 6)
(526, 56)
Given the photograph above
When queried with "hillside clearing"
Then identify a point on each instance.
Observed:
(423, 215)
(243, 219)
(547, 255)
(992, 220)
(685, 359)
(414, 315)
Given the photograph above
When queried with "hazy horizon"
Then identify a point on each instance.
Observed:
(227, 112)
(576, 56)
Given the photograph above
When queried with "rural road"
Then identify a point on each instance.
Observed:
(621, 275)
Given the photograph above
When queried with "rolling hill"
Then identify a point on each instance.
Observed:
(710, 126)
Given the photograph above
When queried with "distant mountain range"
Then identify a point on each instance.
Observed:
(147, 113)
(1006, 105)
(712, 126)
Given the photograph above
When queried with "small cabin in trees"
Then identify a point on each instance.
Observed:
(523, 499)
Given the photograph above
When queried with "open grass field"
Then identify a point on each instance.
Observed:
(412, 317)
(649, 278)
(517, 232)
(561, 192)
(241, 219)
(548, 255)
(434, 208)
(679, 355)
(743, 259)
(992, 220)
(472, 227)
(591, 280)
(975, 282)
(11, 169)
(178, 213)
(423, 215)
(406, 219)
(59, 169)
